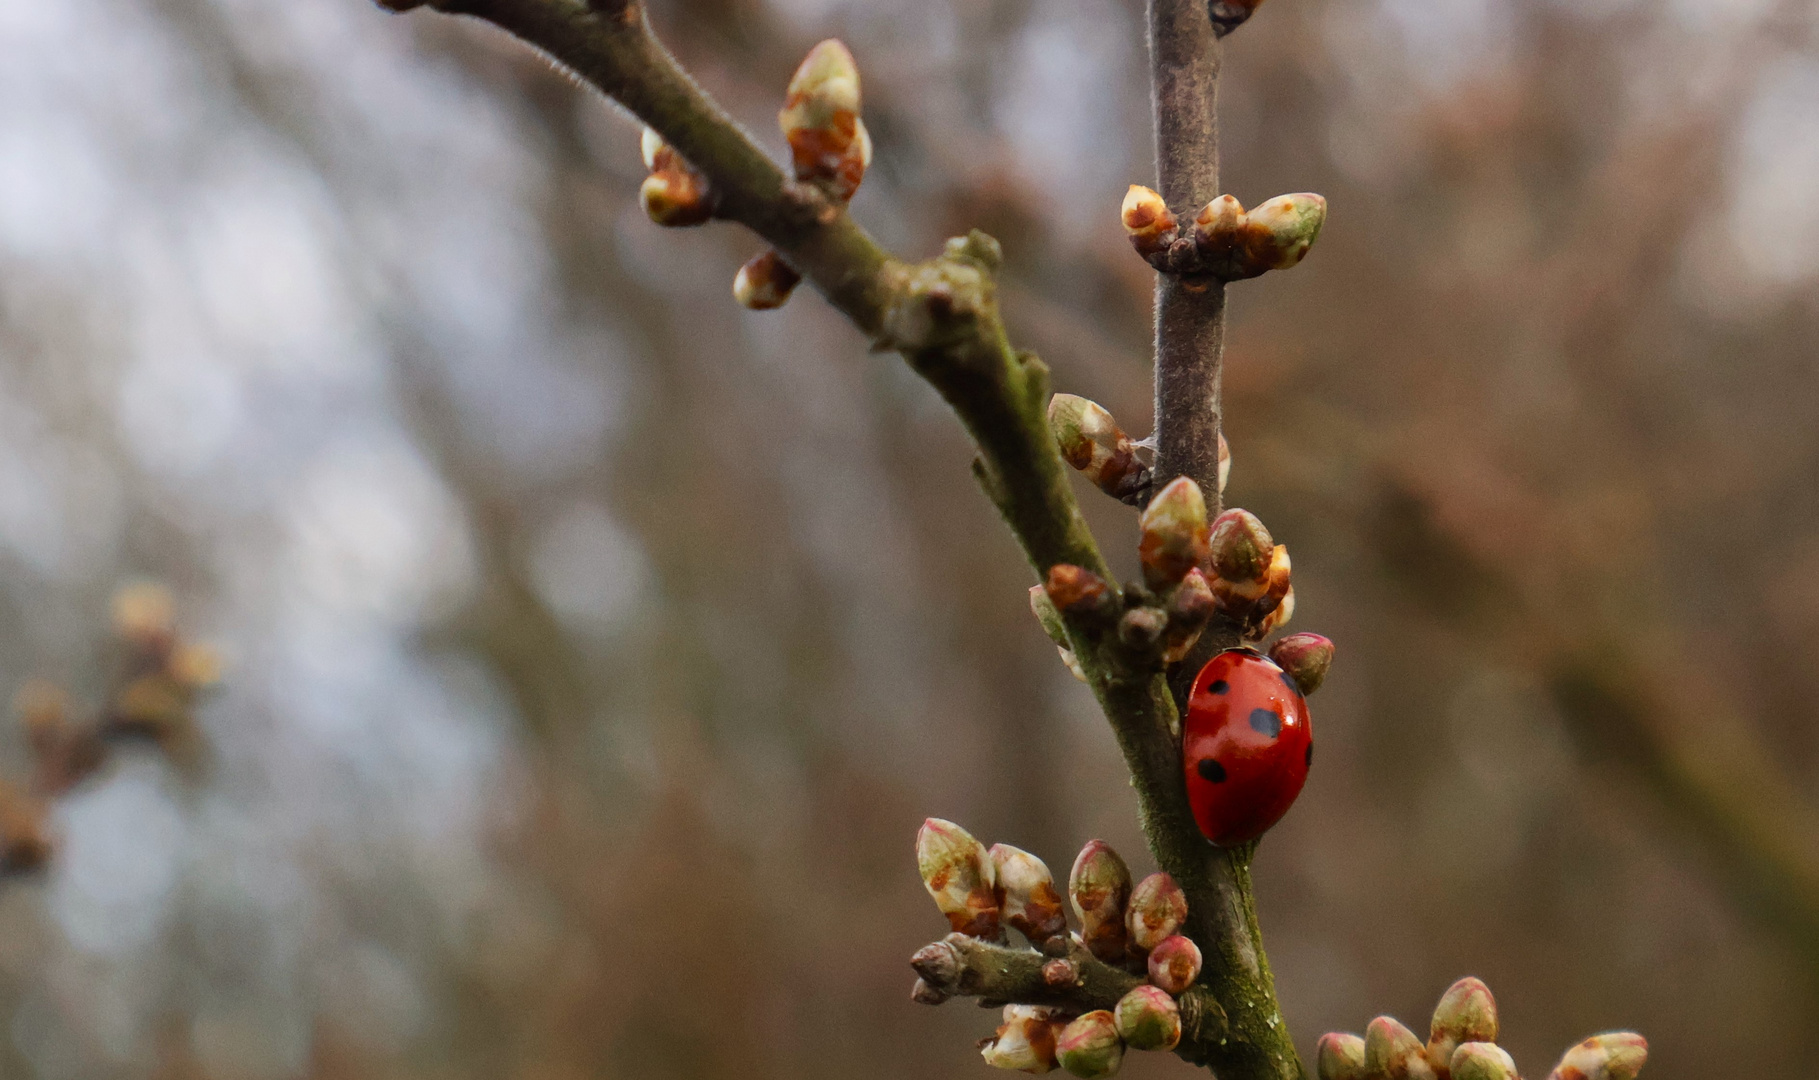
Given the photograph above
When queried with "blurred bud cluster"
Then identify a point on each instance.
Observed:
(158, 677)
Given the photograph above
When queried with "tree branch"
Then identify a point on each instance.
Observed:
(1190, 344)
(942, 316)
(1076, 980)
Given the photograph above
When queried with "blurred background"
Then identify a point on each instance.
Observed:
(592, 647)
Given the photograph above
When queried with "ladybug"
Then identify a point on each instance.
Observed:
(1247, 745)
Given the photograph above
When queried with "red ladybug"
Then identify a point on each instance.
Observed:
(1247, 745)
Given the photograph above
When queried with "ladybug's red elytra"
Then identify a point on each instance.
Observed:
(1247, 745)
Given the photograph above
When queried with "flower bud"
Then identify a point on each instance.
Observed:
(44, 711)
(1099, 887)
(1217, 230)
(1616, 1055)
(1025, 1041)
(1481, 1061)
(939, 965)
(1141, 627)
(1189, 608)
(1392, 1052)
(1225, 462)
(145, 616)
(958, 873)
(1174, 964)
(1089, 1047)
(1306, 657)
(25, 843)
(1078, 591)
(1282, 230)
(820, 118)
(675, 198)
(1093, 443)
(1030, 902)
(1275, 620)
(1148, 1019)
(194, 666)
(924, 994)
(1174, 535)
(1467, 1012)
(1228, 15)
(1072, 663)
(1061, 973)
(764, 282)
(1241, 550)
(1147, 221)
(1158, 908)
(1340, 1056)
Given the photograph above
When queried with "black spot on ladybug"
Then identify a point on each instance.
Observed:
(1266, 722)
(1310, 755)
(1289, 681)
(1212, 770)
(1218, 686)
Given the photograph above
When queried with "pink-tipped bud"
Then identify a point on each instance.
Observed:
(1025, 1042)
(1092, 442)
(1076, 590)
(1189, 608)
(1481, 1061)
(1031, 902)
(1174, 964)
(1307, 657)
(1100, 886)
(1241, 550)
(1089, 1047)
(1615, 1055)
(1467, 1013)
(1225, 462)
(1158, 908)
(1393, 1052)
(1148, 1019)
(959, 874)
(1340, 1056)
(765, 282)
(1174, 533)
(820, 119)
(1147, 221)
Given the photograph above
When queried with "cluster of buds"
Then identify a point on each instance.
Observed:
(1134, 928)
(1224, 241)
(1250, 577)
(674, 194)
(829, 148)
(1462, 1045)
(153, 697)
(1162, 617)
